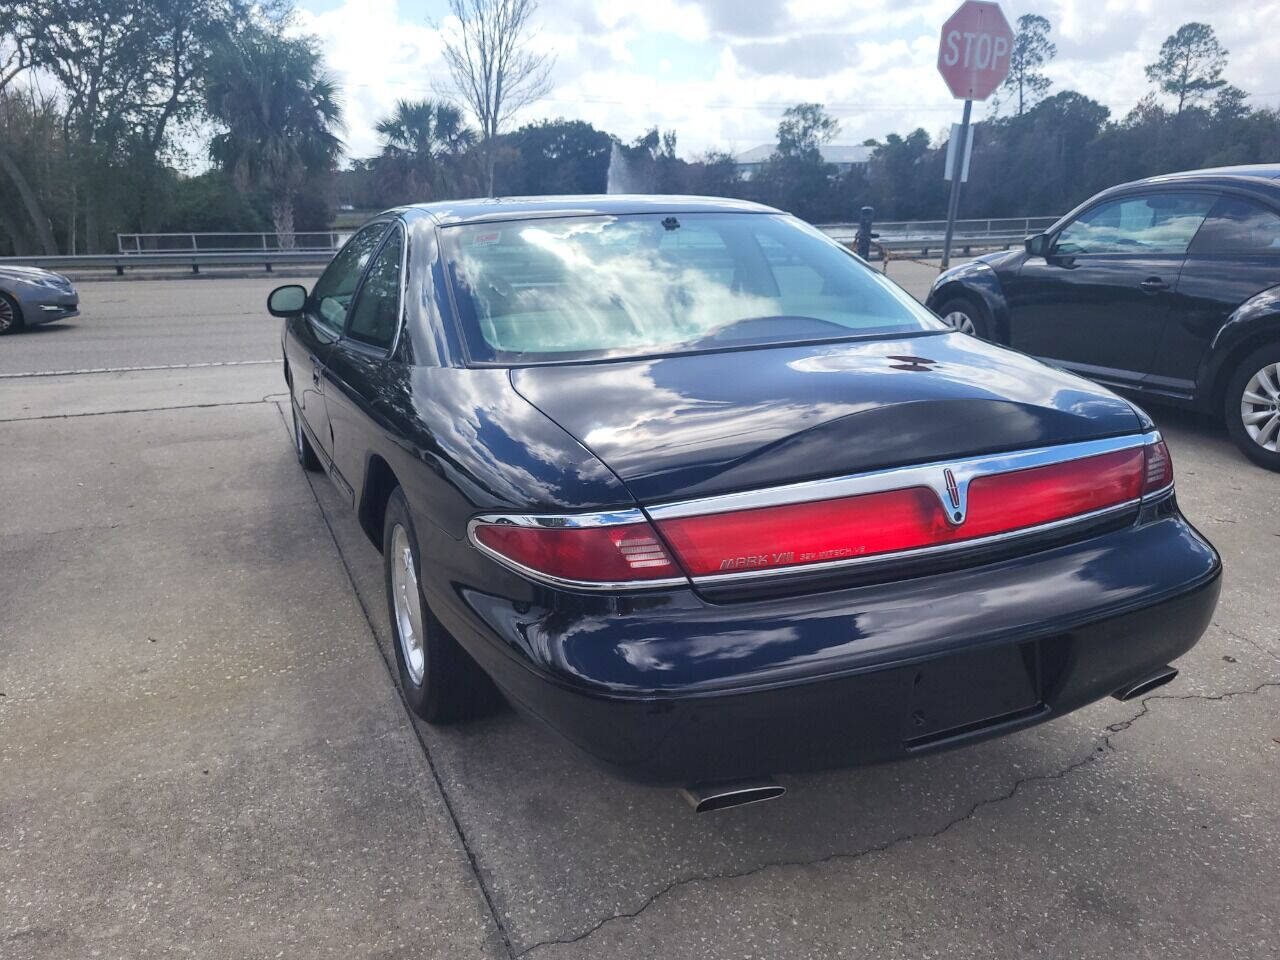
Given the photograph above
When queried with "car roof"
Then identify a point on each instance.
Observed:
(452, 212)
(1261, 180)
(1263, 171)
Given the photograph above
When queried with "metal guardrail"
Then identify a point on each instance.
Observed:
(913, 231)
(228, 242)
(132, 261)
(924, 246)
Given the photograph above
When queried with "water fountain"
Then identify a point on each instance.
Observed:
(623, 177)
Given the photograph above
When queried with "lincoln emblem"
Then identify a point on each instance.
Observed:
(953, 491)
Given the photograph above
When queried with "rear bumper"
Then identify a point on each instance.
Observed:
(680, 690)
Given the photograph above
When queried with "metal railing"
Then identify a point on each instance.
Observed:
(133, 244)
(195, 260)
(928, 229)
(924, 237)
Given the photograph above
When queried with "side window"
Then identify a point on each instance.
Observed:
(333, 291)
(1238, 227)
(1155, 223)
(377, 309)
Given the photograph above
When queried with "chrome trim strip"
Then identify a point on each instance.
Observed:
(562, 521)
(612, 518)
(402, 307)
(935, 550)
(931, 475)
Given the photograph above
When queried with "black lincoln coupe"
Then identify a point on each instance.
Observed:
(1169, 287)
(694, 486)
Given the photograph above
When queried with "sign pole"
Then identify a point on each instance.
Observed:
(957, 166)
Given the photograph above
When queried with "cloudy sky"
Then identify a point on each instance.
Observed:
(720, 72)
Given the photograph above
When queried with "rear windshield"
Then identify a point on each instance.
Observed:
(627, 285)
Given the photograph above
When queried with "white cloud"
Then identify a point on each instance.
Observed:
(378, 55)
(720, 72)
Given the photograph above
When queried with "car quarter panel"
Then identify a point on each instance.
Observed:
(1253, 323)
(461, 442)
(1223, 302)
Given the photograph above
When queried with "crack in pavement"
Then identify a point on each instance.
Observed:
(111, 413)
(26, 374)
(1266, 651)
(1215, 697)
(1102, 747)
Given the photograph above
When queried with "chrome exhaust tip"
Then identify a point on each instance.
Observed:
(706, 797)
(1138, 687)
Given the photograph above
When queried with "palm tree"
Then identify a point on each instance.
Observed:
(280, 110)
(423, 145)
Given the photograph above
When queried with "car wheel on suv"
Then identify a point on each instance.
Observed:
(1252, 406)
(965, 316)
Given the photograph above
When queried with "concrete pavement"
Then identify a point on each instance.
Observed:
(202, 751)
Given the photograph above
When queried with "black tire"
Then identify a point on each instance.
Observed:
(10, 315)
(970, 308)
(1235, 405)
(302, 448)
(451, 687)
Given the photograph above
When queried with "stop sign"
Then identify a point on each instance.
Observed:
(973, 56)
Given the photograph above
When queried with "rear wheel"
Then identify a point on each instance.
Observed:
(1252, 406)
(302, 448)
(440, 682)
(966, 316)
(10, 314)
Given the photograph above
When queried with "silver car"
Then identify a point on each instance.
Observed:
(29, 295)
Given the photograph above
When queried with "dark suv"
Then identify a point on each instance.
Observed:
(1169, 287)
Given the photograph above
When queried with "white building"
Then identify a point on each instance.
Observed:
(843, 157)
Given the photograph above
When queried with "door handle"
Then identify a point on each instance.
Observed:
(315, 370)
(1153, 285)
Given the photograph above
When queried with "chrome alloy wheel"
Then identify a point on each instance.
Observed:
(961, 321)
(6, 314)
(407, 600)
(1260, 407)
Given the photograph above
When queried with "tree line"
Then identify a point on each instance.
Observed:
(104, 104)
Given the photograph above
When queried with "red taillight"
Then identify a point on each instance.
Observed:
(1159, 467)
(1028, 498)
(804, 533)
(885, 522)
(942, 506)
(602, 554)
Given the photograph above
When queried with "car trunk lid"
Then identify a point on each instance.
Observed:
(696, 425)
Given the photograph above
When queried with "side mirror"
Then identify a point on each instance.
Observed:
(287, 301)
(1037, 246)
